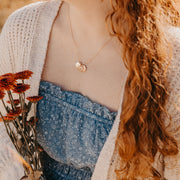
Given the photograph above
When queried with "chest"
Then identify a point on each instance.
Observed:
(103, 80)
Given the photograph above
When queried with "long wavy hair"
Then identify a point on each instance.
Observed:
(146, 54)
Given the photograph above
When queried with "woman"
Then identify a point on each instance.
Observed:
(92, 76)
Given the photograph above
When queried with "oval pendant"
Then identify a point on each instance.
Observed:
(81, 67)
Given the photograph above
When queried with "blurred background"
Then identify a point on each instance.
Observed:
(8, 6)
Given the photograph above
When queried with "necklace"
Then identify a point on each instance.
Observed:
(80, 66)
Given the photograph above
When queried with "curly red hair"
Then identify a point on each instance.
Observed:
(142, 132)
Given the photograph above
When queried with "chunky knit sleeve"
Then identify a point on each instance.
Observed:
(15, 47)
(172, 164)
(9, 167)
(171, 170)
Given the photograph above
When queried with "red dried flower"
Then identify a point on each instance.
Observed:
(2, 94)
(20, 88)
(16, 101)
(7, 118)
(34, 99)
(23, 74)
(7, 81)
(14, 113)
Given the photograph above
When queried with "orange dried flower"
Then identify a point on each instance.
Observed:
(7, 81)
(20, 88)
(8, 74)
(14, 113)
(16, 101)
(7, 118)
(23, 74)
(34, 99)
(2, 94)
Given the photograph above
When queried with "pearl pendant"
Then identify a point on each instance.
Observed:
(81, 67)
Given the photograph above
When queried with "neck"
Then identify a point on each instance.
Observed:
(88, 19)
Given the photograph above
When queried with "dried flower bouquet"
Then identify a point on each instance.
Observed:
(21, 128)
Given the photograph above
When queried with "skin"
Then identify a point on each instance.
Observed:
(103, 80)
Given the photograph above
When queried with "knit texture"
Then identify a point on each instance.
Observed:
(23, 45)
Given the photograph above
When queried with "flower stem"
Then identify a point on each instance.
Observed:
(11, 100)
(10, 132)
(35, 124)
(14, 141)
(35, 131)
(4, 123)
(24, 136)
(4, 105)
(21, 99)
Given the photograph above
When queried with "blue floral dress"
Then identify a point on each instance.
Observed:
(72, 131)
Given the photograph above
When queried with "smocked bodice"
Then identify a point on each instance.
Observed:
(71, 128)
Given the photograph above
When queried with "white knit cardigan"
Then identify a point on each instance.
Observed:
(23, 45)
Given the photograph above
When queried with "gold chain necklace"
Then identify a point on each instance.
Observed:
(80, 66)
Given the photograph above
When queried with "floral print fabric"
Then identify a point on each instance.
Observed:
(72, 131)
